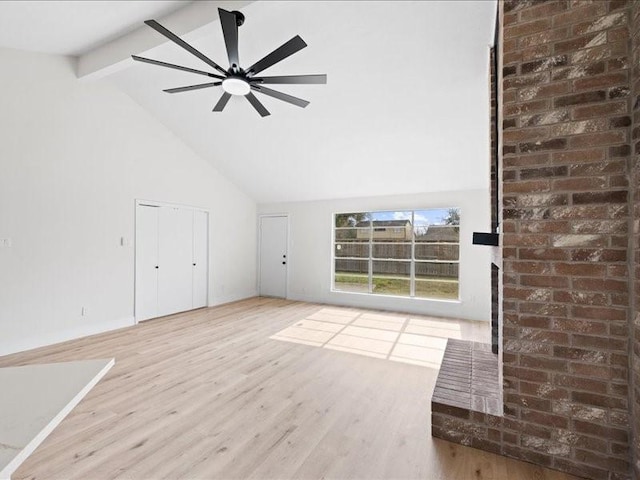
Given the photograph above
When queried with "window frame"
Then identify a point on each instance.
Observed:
(412, 260)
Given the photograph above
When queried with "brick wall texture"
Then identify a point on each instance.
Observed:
(567, 79)
(635, 245)
(571, 250)
(566, 148)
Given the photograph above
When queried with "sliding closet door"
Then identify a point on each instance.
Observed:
(175, 257)
(200, 260)
(146, 262)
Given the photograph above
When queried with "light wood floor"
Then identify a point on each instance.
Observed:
(208, 395)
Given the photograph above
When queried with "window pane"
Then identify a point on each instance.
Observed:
(437, 225)
(352, 227)
(352, 249)
(352, 219)
(392, 226)
(352, 234)
(392, 278)
(438, 251)
(436, 280)
(437, 234)
(351, 275)
(392, 250)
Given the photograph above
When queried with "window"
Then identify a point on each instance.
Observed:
(412, 253)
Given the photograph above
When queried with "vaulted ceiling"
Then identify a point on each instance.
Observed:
(405, 110)
(73, 27)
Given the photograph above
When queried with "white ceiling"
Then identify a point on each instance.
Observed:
(405, 110)
(45, 26)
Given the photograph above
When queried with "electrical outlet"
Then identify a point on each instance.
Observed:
(85, 311)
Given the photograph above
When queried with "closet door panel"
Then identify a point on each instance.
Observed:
(200, 260)
(146, 305)
(175, 258)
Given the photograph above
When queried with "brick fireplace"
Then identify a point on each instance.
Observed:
(569, 176)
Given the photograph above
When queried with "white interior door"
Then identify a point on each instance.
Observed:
(273, 256)
(175, 258)
(200, 258)
(146, 305)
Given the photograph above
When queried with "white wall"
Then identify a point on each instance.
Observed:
(310, 251)
(408, 83)
(74, 156)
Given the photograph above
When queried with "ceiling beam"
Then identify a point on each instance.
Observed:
(188, 22)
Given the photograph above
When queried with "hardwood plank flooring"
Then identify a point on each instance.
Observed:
(208, 395)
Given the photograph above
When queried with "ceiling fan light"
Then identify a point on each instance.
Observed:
(236, 86)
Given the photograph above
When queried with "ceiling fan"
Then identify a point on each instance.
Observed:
(236, 80)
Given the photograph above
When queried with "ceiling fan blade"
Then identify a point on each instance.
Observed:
(281, 96)
(297, 79)
(230, 32)
(192, 87)
(178, 41)
(177, 67)
(292, 46)
(257, 105)
(222, 102)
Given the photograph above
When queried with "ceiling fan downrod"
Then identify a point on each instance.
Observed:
(239, 17)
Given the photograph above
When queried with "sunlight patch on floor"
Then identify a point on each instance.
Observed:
(386, 336)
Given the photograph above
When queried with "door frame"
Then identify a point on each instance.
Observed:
(286, 278)
(156, 203)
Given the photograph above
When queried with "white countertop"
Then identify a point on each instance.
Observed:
(34, 399)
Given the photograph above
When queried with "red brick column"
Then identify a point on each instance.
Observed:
(635, 191)
(571, 242)
(566, 137)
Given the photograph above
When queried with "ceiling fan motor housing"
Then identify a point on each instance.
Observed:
(236, 85)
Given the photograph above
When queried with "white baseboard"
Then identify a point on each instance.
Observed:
(232, 298)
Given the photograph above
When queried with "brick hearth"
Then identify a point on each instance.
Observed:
(466, 399)
(468, 378)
